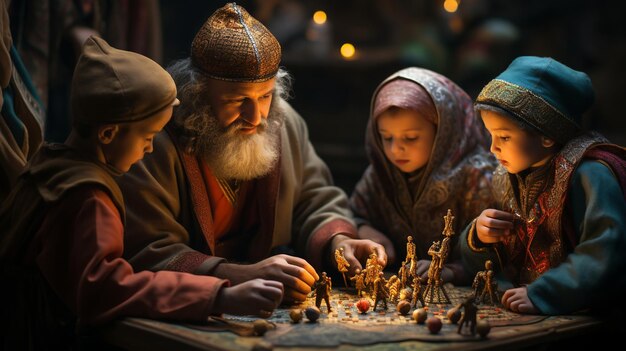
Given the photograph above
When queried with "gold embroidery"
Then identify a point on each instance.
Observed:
(471, 237)
(530, 107)
(549, 204)
(230, 190)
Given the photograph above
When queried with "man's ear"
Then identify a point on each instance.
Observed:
(547, 142)
(107, 133)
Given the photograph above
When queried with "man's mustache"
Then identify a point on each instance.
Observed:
(243, 124)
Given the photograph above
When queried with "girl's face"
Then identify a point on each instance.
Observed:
(407, 138)
(515, 148)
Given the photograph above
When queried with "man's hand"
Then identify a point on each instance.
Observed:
(367, 232)
(357, 251)
(296, 274)
(517, 300)
(255, 297)
(493, 226)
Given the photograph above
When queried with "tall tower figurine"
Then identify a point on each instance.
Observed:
(435, 291)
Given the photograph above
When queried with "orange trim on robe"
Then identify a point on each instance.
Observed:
(222, 210)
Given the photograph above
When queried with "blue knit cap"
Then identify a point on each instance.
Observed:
(543, 93)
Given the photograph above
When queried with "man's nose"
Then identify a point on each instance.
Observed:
(252, 113)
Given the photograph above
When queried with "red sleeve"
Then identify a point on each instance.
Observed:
(81, 247)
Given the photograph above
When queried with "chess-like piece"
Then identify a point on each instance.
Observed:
(342, 264)
(403, 274)
(410, 252)
(373, 268)
(393, 286)
(469, 316)
(380, 291)
(478, 284)
(490, 289)
(485, 285)
(321, 290)
(417, 293)
(359, 281)
(435, 291)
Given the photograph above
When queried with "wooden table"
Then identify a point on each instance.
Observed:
(346, 329)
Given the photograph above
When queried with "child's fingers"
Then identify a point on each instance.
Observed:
(348, 254)
(497, 214)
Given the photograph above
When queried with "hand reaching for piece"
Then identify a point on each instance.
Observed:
(257, 297)
(296, 274)
(367, 232)
(357, 251)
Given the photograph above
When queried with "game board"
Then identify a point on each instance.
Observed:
(346, 325)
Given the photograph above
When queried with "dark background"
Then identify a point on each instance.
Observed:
(471, 46)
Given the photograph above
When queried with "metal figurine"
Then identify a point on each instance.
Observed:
(486, 284)
(342, 264)
(380, 291)
(417, 293)
(359, 281)
(435, 291)
(321, 290)
(469, 316)
(410, 255)
(490, 287)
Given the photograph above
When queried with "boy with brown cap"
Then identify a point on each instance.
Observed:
(64, 222)
(234, 188)
(559, 235)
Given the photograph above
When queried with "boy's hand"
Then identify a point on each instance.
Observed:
(255, 297)
(517, 300)
(296, 274)
(356, 251)
(493, 226)
(367, 232)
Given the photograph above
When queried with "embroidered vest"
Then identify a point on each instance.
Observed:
(542, 237)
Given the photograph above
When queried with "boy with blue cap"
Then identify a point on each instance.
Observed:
(560, 232)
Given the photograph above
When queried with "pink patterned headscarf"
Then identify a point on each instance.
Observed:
(405, 94)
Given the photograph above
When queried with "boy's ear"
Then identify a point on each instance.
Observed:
(107, 133)
(547, 142)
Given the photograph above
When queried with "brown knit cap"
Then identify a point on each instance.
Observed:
(112, 85)
(234, 46)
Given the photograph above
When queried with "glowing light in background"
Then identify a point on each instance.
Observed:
(319, 17)
(450, 5)
(347, 50)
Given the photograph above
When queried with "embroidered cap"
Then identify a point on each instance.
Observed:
(543, 93)
(234, 46)
(112, 86)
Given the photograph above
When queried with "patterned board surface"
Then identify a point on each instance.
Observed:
(346, 325)
(344, 311)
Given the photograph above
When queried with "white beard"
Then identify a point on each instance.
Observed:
(231, 155)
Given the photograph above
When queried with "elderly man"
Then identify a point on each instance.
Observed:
(234, 179)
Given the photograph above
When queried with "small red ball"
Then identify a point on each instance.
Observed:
(363, 305)
(434, 325)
